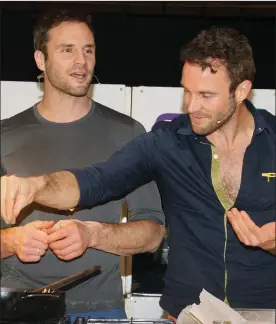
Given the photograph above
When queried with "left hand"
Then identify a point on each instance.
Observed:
(249, 233)
(69, 239)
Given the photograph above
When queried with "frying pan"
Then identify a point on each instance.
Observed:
(40, 304)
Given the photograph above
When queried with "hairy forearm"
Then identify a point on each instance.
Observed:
(7, 247)
(58, 190)
(127, 238)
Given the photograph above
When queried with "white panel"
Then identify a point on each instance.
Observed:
(19, 96)
(127, 109)
(144, 306)
(150, 102)
(112, 96)
(264, 98)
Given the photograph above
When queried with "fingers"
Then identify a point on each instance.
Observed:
(44, 224)
(45, 227)
(3, 198)
(67, 242)
(9, 190)
(250, 234)
(20, 202)
(57, 226)
(252, 227)
(15, 195)
(236, 227)
(62, 243)
(33, 240)
(68, 251)
(246, 230)
(29, 258)
(36, 244)
(62, 229)
(32, 252)
(70, 256)
(36, 230)
(57, 235)
(236, 221)
(36, 237)
(30, 242)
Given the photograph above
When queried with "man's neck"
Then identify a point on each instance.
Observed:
(237, 131)
(62, 108)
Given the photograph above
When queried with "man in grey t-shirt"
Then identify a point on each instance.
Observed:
(67, 130)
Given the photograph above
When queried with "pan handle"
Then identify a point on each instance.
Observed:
(70, 282)
(39, 295)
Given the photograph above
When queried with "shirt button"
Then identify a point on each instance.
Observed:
(215, 156)
(260, 129)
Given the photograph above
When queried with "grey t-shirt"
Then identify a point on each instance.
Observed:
(31, 145)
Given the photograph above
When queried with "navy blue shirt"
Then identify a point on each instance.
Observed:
(204, 250)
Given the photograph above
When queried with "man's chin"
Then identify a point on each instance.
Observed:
(79, 94)
(200, 131)
(78, 91)
(197, 130)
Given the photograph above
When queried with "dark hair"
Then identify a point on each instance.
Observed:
(228, 46)
(49, 20)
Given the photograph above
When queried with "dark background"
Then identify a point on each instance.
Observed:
(138, 43)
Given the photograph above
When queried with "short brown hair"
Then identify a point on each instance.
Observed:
(51, 19)
(231, 48)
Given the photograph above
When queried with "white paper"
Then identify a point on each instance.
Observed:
(212, 309)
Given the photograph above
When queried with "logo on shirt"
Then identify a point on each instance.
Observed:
(269, 175)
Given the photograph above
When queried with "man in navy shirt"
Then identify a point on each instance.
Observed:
(215, 170)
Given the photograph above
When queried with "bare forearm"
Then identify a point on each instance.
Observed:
(128, 238)
(58, 190)
(7, 248)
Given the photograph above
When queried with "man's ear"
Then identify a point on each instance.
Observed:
(40, 60)
(242, 91)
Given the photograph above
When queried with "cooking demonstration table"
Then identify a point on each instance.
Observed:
(82, 320)
(249, 314)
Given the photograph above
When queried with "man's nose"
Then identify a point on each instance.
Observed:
(80, 58)
(193, 105)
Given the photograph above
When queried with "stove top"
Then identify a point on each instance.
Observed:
(83, 320)
(129, 321)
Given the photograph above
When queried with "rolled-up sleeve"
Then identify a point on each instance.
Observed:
(129, 168)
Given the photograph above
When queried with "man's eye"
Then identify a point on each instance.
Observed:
(206, 96)
(67, 50)
(89, 51)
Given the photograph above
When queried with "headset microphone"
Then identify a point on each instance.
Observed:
(227, 115)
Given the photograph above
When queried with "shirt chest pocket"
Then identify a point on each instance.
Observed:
(259, 188)
(264, 171)
(267, 185)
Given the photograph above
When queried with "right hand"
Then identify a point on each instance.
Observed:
(16, 193)
(30, 242)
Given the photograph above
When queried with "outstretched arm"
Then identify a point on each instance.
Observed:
(128, 169)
